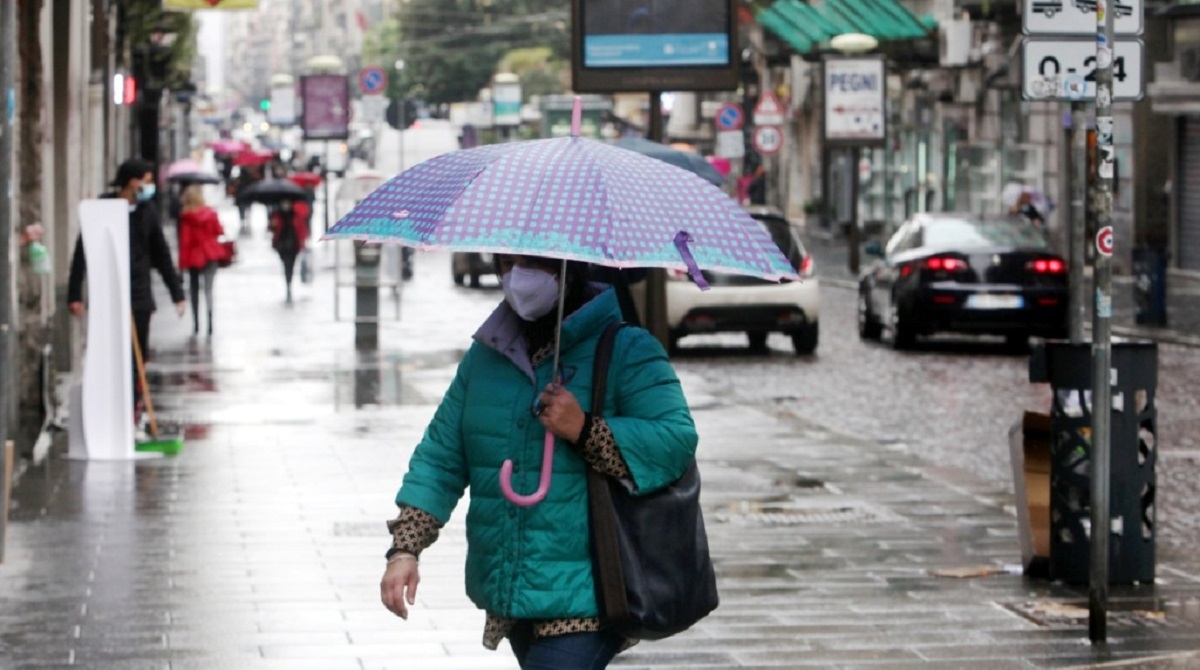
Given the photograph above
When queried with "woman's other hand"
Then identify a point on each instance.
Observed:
(561, 413)
(399, 585)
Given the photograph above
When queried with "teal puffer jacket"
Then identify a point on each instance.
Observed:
(534, 562)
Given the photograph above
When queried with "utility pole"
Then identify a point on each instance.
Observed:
(1102, 330)
(8, 39)
(399, 66)
(1077, 230)
(8, 98)
(656, 278)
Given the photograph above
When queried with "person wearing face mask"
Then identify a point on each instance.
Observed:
(289, 235)
(529, 568)
(148, 249)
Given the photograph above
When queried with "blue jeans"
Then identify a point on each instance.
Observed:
(574, 651)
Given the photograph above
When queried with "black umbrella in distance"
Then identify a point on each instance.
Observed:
(189, 178)
(271, 192)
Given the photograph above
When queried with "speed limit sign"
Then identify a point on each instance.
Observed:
(1104, 241)
(768, 139)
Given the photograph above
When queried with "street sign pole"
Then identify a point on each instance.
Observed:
(655, 318)
(1077, 153)
(8, 21)
(1102, 329)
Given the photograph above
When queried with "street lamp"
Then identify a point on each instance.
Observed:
(853, 43)
(402, 122)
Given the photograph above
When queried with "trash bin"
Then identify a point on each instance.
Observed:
(1134, 454)
(1150, 286)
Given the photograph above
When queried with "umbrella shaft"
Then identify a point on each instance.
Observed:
(562, 301)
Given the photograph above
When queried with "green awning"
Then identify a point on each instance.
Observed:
(807, 26)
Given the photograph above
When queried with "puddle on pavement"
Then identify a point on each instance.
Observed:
(360, 379)
(373, 379)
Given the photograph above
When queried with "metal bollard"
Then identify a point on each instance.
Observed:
(366, 295)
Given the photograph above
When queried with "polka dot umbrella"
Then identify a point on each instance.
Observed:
(570, 198)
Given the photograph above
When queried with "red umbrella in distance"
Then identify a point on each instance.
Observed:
(306, 179)
(254, 157)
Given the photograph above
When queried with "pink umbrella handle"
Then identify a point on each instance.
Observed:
(543, 488)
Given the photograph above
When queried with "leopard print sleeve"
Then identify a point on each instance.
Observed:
(414, 530)
(599, 448)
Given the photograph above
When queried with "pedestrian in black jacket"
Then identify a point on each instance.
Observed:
(147, 249)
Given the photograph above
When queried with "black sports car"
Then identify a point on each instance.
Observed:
(952, 272)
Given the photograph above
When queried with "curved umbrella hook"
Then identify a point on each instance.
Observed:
(506, 469)
(543, 488)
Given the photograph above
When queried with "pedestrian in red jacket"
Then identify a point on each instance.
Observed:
(200, 250)
(289, 228)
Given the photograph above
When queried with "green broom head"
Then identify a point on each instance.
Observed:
(163, 444)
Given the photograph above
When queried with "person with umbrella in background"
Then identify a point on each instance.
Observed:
(247, 176)
(288, 217)
(180, 175)
(200, 250)
(289, 235)
(534, 576)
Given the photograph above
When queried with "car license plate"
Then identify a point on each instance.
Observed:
(994, 301)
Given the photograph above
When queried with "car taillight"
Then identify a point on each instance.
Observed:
(806, 266)
(1047, 266)
(945, 264)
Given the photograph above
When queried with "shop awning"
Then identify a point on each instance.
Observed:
(808, 26)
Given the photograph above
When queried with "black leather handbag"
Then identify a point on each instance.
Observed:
(654, 575)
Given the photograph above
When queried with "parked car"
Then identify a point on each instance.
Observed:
(954, 272)
(757, 307)
(470, 265)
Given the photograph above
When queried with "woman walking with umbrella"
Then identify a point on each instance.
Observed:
(529, 568)
(200, 250)
(536, 204)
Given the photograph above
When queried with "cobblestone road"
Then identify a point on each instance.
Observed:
(950, 402)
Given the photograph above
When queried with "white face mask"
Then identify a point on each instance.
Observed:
(531, 293)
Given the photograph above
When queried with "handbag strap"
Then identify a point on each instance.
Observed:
(604, 350)
(605, 538)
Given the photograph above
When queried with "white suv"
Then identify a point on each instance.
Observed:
(754, 306)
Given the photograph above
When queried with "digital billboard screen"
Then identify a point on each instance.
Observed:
(631, 45)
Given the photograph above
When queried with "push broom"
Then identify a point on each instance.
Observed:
(162, 444)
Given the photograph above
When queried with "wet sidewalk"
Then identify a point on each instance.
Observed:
(261, 545)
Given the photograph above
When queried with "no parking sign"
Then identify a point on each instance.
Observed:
(729, 117)
(372, 80)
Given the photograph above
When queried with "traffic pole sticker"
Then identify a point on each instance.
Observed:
(1104, 241)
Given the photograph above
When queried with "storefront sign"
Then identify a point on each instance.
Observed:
(855, 90)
